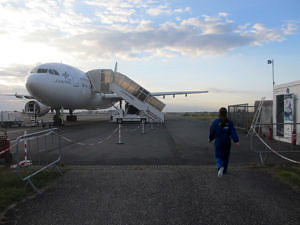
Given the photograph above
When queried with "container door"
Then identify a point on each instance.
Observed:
(288, 115)
(279, 115)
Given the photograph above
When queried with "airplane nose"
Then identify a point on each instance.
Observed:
(32, 84)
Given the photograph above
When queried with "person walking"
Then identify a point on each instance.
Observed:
(222, 131)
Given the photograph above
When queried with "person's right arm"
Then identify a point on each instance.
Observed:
(234, 135)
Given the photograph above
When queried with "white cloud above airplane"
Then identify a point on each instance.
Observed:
(110, 29)
(88, 33)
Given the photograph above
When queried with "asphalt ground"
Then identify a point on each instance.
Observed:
(166, 176)
(181, 141)
(163, 195)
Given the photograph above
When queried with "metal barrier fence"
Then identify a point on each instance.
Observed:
(38, 151)
(283, 146)
(41, 150)
(241, 115)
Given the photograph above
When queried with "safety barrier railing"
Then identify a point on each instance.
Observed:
(41, 150)
(67, 139)
(282, 144)
(36, 152)
(120, 130)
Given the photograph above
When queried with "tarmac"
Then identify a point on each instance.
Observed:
(166, 176)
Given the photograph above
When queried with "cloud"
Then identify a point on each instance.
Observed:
(5, 89)
(289, 28)
(111, 19)
(86, 31)
(15, 70)
(47, 30)
(13, 76)
(190, 37)
(223, 14)
(165, 10)
(161, 9)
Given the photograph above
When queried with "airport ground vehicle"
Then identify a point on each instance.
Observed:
(119, 117)
(5, 147)
(8, 119)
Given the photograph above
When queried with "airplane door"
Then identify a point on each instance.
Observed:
(280, 115)
(75, 81)
(288, 115)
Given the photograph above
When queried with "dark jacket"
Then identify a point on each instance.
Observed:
(221, 134)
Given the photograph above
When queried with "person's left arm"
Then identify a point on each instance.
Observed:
(212, 131)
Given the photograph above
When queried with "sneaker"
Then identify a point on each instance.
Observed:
(220, 172)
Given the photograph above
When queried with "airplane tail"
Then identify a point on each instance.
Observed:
(116, 67)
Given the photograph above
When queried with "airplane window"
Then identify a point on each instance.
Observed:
(55, 72)
(51, 71)
(42, 70)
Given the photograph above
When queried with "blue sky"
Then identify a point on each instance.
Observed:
(219, 45)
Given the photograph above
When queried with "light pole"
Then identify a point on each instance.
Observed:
(272, 62)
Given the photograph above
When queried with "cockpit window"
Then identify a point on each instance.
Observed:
(42, 70)
(53, 71)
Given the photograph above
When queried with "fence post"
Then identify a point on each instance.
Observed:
(25, 162)
(261, 158)
(143, 126)
(151, 125)
(25, 146)
(120, 135)
(251, 142)
(28, 162)
(294, 137)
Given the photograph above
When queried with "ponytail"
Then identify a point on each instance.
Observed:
(223, 116)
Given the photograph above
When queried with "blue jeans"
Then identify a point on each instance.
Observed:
(222, 154)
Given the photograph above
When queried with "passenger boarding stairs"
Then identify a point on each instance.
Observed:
(107, 81)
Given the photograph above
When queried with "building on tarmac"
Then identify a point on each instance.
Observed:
(286, 112)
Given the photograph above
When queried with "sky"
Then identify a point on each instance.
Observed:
(219, 45)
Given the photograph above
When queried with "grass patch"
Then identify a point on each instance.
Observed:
(13, 190)
(202, 115)
(288, 174)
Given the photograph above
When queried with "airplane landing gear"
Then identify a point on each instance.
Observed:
(57, 120)
(71, 117)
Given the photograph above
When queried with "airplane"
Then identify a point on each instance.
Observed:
(56, 86)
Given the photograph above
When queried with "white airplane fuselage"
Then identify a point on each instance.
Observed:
(62, 86)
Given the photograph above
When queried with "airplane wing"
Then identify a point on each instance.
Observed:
(177, 93)
(116, 97)
(18, 96)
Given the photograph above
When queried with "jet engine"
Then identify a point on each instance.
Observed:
(36, 108)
